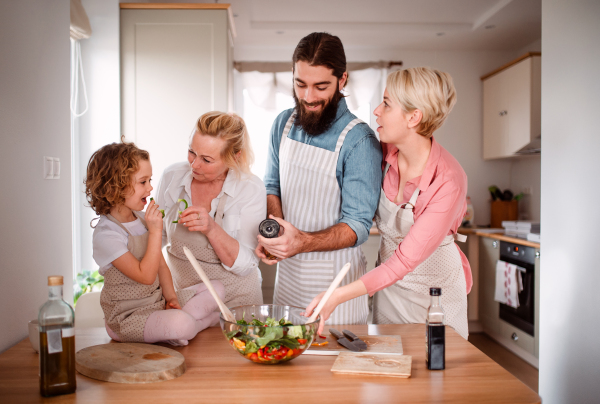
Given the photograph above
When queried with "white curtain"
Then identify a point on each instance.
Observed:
(362, 86)
(263, 87)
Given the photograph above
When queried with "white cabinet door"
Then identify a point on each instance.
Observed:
(174, 67)
(495, 128)
(511, 108)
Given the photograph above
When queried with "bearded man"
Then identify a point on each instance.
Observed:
(323, 179)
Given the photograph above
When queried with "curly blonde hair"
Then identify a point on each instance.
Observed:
(237, 153)
(430, 91)
(110, 175)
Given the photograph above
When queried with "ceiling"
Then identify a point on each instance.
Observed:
(391, 24)
(388, 24)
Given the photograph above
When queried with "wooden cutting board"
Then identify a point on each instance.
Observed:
(130, 363)
(379, 344)
(373, 364)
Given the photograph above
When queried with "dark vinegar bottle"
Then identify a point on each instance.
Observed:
(57, 343)
(435, 333)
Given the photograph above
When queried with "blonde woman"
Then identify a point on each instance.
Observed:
(421, 205)
(226, 204)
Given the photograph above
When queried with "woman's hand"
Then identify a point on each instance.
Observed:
(326, 311)
(172, 304)
(153, 218)
(197, 219)
(262, 254)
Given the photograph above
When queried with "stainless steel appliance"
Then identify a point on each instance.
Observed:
(524, 257)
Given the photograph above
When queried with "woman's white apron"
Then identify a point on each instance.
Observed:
(311, 201)
(407, 300)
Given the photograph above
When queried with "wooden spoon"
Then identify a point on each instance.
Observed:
(329, 292)
(224, 310)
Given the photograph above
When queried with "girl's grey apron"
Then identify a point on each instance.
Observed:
(239, 290)
(127, 304)
(407, 300)
(311, 201)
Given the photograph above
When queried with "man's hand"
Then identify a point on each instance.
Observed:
(289, 243)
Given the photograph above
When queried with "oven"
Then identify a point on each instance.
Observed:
(524, 257)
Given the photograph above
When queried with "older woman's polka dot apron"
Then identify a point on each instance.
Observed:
(239, 290)
(407, 300)
(127, 304)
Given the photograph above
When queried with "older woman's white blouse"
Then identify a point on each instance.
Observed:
(245, 208)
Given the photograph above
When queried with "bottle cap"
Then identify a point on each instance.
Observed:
(269, 228)
(55, 280)
(435, 291)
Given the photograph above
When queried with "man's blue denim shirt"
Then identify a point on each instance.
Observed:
(358, 169)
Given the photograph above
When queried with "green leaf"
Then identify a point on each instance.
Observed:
(295, 332)
(231, 334)
(271, 333)
(251, 347)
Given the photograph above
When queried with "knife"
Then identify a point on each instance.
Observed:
(343, 341)
(355, 340)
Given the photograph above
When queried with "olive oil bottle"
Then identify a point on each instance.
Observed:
(57, 342)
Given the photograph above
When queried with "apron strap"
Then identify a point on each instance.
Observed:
(413, 200)
(460, 237)
(347, 129)
(385, 171)
(112, 219)
(287, 128)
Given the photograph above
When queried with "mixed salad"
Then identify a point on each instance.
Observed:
(270, 342)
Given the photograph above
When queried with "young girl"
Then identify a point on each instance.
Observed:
(138, 298)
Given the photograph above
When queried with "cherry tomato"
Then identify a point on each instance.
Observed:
(302, 341)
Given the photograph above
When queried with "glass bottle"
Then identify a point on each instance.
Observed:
(435, 334)
(57, 342)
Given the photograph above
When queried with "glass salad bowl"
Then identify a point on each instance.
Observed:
(269, 333)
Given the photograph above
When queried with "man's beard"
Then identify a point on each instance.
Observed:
(315, 123)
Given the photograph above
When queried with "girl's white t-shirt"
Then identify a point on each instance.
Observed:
(110, 241)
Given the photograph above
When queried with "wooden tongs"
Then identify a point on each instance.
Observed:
(227, 315)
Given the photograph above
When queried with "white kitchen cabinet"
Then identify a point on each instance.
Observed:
(176, 64)
(511, 107)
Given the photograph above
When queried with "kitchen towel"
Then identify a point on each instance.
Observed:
(509, 283)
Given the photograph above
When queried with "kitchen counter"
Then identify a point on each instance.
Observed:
(217, 374)
(498, 236)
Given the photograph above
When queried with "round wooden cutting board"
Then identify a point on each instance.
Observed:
(130, 363)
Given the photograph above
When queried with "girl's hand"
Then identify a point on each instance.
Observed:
(173, 304)
(197, 219)
(153, 218)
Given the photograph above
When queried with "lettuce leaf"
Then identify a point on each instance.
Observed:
(271, 333)
(295, 332)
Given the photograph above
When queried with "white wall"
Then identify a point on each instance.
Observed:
(570, 275)
(461, 134)
(35, 237)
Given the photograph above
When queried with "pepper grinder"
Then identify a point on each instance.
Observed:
(269, 228)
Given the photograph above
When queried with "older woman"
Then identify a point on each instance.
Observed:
(421, 205)
(226, 205)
